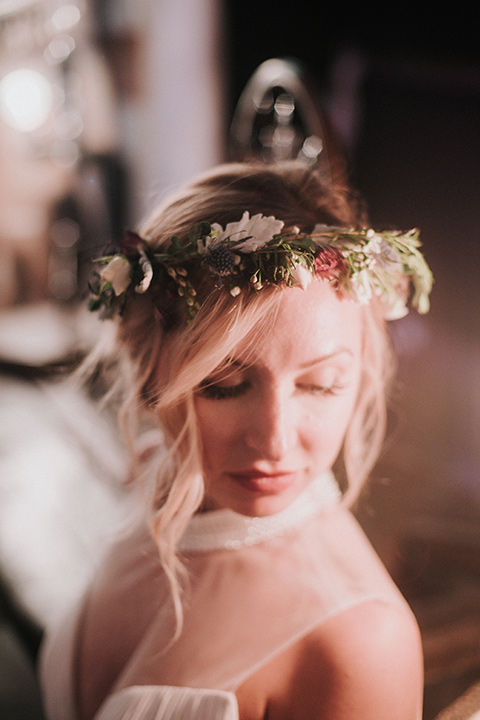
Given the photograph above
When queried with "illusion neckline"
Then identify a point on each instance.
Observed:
(225, 529)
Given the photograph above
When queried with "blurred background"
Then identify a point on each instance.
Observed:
(105, 105)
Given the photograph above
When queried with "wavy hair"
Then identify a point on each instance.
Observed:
(164, 367)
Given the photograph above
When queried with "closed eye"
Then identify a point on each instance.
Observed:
(321, 389)
(216, 391)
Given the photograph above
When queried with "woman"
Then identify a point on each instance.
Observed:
(254, 331)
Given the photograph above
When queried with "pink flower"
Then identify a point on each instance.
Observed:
(132, 244)
(330, 263)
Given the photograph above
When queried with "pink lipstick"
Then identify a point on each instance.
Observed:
(265, 483)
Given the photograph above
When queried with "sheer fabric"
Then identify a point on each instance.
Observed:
(244, 604)
(169, 703)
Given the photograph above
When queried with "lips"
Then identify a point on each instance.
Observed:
(266, 483)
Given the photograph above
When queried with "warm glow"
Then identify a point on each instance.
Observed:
(26, 98)
(65, 17)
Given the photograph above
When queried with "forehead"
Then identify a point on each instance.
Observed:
(309, 324)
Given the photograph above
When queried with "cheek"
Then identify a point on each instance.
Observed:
(218, 426)
(325, 427)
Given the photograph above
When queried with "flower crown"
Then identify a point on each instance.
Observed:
(256, 252)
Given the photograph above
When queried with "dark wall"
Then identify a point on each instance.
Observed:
(313, 31)
(403, 87)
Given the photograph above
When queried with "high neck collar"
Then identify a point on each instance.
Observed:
(226, 529)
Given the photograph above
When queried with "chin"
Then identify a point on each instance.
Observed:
(257, 504)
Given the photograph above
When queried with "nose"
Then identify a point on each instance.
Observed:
(271, 425)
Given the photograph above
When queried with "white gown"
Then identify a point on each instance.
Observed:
(255, 587)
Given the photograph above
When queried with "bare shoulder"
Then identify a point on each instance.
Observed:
(368, 663)
(364, 663)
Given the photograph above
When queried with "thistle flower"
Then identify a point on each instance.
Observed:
(221, 259)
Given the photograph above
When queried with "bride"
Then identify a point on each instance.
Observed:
(250, 312)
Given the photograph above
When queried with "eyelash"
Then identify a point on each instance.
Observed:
(322, 390)
(224, 392)
(227, 392)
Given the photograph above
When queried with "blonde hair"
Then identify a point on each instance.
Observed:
(167, 362)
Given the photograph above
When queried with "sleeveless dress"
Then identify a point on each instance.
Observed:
(255, 587)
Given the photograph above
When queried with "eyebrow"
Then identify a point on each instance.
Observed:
(304, 366)
(323, 358)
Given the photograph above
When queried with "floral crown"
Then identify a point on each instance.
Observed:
(256, 252)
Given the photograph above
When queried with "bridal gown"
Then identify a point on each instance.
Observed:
(255, 586)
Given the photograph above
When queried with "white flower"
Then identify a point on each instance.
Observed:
(117, 272)
(422, 301)
(376, 245)
(147, 270)
(257, 231)
(300, 275)
(395, 298)
(360, 287)
(396, 310)
(382, 252)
